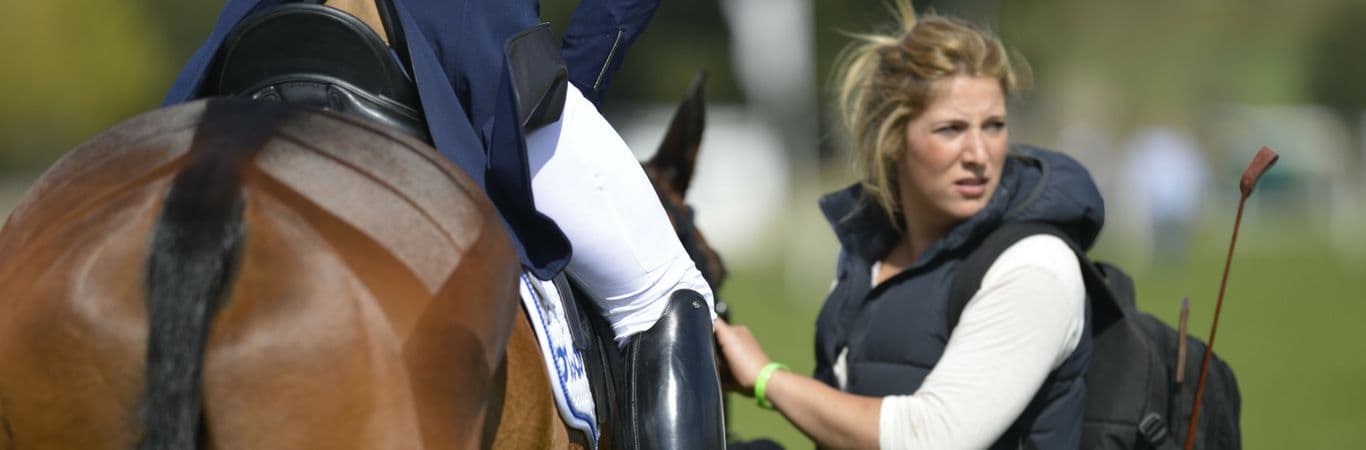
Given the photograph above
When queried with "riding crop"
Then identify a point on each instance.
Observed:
(1264, 159)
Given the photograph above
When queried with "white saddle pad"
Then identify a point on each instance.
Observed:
(563, 362)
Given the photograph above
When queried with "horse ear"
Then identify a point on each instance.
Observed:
(677, 155)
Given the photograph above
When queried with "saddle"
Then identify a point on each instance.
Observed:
(308, 54)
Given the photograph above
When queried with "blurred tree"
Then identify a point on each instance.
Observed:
(986, 13)
(682, 38)
(1337, 70)
(182, 26)
(836, 20)
(75, 67)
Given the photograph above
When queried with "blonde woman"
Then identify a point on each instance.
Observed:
(926, 107)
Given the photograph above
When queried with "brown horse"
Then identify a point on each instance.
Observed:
(233, 274)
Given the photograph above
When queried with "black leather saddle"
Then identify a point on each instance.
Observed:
(310, 54)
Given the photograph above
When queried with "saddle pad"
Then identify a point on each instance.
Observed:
(565, 365)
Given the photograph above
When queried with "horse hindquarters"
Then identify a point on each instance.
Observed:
(338, 329)
(6, 440)
(72, 315)
(72, 333)
(318, 360)
(376, 293)
(526, 416)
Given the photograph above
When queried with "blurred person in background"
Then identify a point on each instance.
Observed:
(1169, 176)
(926, 107)
(572, 181)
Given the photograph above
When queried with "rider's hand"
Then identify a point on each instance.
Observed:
(742, 354)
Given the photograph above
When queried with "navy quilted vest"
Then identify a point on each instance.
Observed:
(896, 333)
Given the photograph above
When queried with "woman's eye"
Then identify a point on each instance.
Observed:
(949, 130)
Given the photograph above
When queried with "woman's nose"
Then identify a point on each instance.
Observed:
(975, 148)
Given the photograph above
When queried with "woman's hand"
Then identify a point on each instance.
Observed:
(742, 354)
(832, 418)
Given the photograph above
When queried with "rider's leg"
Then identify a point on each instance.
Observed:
(627, 255)
(366, 11)
(625, 251)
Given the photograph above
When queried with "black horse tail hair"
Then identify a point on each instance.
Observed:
(193, 259)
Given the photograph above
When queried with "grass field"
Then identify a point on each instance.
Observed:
(1291, 328)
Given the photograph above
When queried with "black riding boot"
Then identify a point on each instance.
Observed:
(671, 395)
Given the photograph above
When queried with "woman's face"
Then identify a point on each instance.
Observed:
(954, 152)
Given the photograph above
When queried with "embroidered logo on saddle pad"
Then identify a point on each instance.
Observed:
(563, 362)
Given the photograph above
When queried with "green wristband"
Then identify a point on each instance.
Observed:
(761, 383)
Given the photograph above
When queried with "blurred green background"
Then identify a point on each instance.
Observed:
(1225, 76)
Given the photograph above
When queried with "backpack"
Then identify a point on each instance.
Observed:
(1132, 398)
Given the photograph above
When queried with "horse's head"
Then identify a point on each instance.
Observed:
(671, 170)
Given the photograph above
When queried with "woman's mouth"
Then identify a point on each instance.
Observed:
(971, 187)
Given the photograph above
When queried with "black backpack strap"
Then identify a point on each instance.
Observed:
(968, 279)
(1121, 286)
(1105, 285)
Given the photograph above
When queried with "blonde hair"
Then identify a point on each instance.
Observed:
(885, 81)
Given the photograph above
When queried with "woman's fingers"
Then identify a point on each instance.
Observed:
(742, 353)
(725, 341)
(728, 382)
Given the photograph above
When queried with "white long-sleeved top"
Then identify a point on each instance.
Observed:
(1024, 321)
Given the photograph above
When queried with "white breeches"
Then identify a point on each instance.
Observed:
(625, 250)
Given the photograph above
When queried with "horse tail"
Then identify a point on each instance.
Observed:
(193, 260)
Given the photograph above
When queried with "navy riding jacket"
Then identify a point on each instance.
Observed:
(895, 333)
(461, 71)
